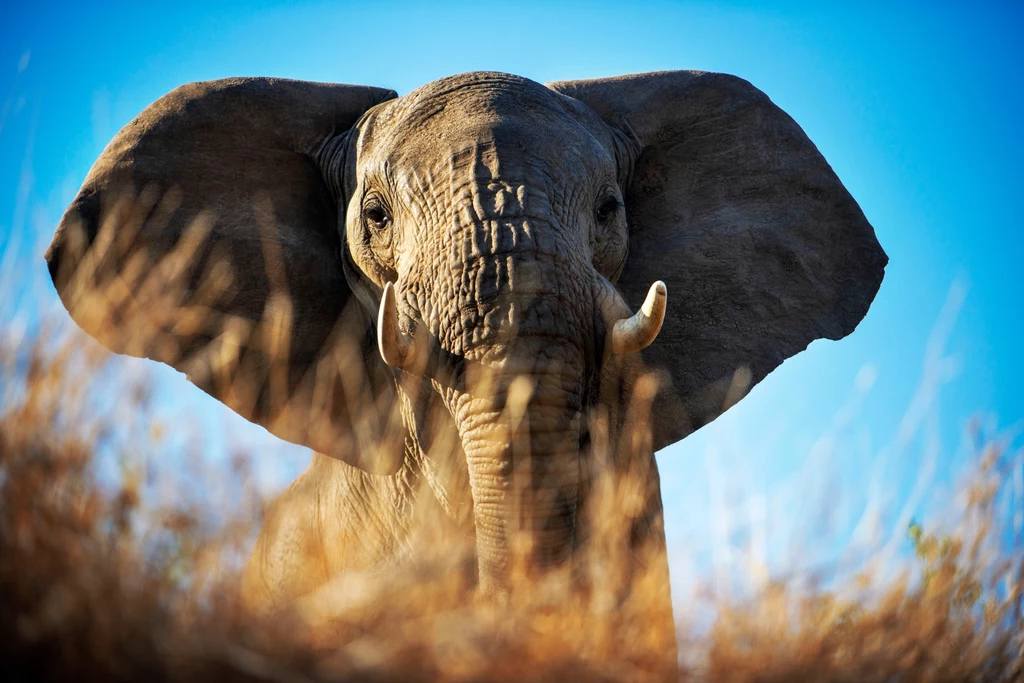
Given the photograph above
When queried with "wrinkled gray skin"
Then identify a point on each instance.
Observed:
(495, 249)
(503, 211)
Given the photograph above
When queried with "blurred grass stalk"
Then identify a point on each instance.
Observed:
(99, 578)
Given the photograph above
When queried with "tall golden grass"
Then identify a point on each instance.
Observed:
(99, 581)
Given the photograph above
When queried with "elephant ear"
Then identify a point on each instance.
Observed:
(205, 237)
(762, 248)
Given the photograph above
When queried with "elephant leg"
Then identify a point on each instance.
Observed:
(332, 518)
(624, 558)
(650, 588)
(287, 559)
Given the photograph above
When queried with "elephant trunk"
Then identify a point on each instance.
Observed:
(522, 449)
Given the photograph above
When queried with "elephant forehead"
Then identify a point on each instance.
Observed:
(483, 185)
(514, 116)
(517, 142)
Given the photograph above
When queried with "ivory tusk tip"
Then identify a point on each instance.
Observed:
(656, 298)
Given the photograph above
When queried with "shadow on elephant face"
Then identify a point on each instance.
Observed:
(391, 279)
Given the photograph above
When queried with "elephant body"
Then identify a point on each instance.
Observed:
(335, 519)
(436, 291)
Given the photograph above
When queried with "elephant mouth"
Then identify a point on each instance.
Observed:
(464, 371)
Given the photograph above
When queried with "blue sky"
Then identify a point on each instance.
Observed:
(916, 106)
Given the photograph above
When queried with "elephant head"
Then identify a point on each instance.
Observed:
(482, 231)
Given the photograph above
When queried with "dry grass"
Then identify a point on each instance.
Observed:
(99, 582)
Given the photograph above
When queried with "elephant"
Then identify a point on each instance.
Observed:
(481, 226)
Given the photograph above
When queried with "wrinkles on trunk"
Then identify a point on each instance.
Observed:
(512, 304)
(522, 453)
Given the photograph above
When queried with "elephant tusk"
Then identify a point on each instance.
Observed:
(395, 346)
(636, 333)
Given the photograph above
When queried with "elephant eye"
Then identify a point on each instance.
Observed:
(606, 209)
(376, 217)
